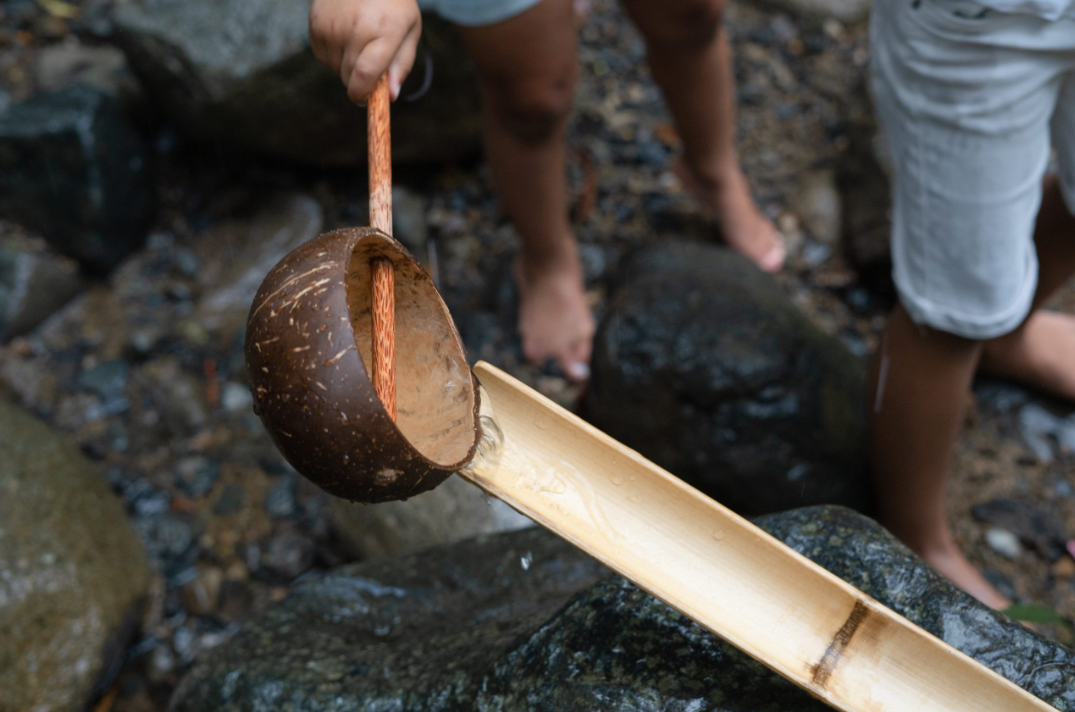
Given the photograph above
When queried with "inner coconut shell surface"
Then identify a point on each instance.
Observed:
(435, 393)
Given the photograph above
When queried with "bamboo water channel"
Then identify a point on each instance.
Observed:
(719, 569)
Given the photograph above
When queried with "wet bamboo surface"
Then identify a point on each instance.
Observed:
(720, 570)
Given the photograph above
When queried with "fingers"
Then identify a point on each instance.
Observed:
(363, 40)
(367, 69)
(403, 61)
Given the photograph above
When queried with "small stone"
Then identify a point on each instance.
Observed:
(200, 594)
(196, 475)
(288, 554)
(105, 379)
(280, 502)
(409, 220)
(230, 500)
(235, 397)
(817, 203)
(1003, 542)
(1064, 568)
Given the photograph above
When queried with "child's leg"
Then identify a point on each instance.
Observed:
(527, 66)
(690, 58)
(920, 378)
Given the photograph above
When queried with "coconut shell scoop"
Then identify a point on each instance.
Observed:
(331, 326)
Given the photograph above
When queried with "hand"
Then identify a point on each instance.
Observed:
(361, 39)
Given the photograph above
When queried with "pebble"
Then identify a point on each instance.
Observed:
(235, 397)
(1003, 542)
(201, 594)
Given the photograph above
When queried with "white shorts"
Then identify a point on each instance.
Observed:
(477, 13)
(971, 101)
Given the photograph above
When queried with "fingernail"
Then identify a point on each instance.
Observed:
(393, 86)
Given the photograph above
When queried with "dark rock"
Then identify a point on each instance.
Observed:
(470, 627)
(705, 367)
(34, 283)
(176, 393)
(73, 574)
(241, 74)
(73, 169)
(196, 475)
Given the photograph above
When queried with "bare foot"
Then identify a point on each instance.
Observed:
(741, 223)
(554, 318)
(950, 563)
(1040, 354)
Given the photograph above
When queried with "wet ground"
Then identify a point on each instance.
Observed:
(156, 394)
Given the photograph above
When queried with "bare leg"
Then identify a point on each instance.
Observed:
(527, 67)
(690, 58)
(1041, 353)
(920, 378)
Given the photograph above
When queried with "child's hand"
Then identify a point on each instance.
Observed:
(361, 39)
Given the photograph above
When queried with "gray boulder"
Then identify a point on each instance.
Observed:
(453, 511)
(523, 621)
(705, 367)
(73, 573)
(74, 169)
(241, 74)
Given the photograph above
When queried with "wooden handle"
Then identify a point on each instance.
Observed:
(383, 280)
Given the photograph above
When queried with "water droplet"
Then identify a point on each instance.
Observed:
(526, 561)
(617, 480)
(718, 534)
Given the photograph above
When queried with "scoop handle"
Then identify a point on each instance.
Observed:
(383, 279)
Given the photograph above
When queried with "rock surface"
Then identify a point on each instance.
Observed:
(34, 282)
(74, 169)
(72, 571)
(846, 11)
(241, 74)
(452, 511)
(705, 367)
(523, 621)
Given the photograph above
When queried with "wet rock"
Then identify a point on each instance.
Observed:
(72, 571)
(196, 475)
(236, 397)
(469, 627)
(453, 511)
(705, 367)
(239, 253)
(73, 169)
(34, 283)
(202, 592)
(241, 74)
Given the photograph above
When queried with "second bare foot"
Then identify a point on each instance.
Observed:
(554, 317)
(741, 223)
(950, 563)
